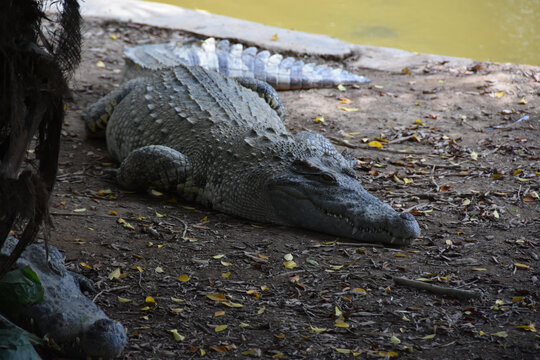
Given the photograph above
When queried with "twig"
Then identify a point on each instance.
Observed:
(81, 214)
(458, 293)
(400, 140)
(183, 223)
(110, 290)
(360, 244)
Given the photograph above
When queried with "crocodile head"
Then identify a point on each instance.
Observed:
(323, 195)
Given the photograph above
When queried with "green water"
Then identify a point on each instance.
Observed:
(496, 30)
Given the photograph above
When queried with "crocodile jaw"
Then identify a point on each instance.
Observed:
(346, 211)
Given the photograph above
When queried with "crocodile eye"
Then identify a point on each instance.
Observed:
(329, 178)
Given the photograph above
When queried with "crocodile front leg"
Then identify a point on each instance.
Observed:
(154, 166)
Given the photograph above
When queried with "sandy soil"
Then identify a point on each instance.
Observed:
(453, 155)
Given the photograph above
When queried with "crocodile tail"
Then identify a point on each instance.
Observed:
(235, 61)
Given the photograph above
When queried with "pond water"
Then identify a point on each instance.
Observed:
(496, 30)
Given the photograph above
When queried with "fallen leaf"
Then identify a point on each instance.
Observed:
(359, 291)
(216, 297)
(123, 300)
(226, 275)
(502, 334)
(375, 144)
(261, 310)
(115, 274)
(288, 257)
(427, 337)
(317, 330)
(150, 300)
(176, 300)
(523, 101)
(319, 119)
(183, 278)
(219, 313)
(176, 335)
(340, 322)
(232, 304)
(100, 64)
(348, 109)
(159, 270)
(274, 37)
(522, 266)
(341, 87)
(499, 94)
(289, 264)
(474, 156)
(220, 328)
(79, 210)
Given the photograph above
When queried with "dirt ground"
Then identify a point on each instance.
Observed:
(453, 154)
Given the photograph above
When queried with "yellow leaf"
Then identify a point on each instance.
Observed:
(261, 310)
(243, 324)
(502, 334)
(138, 268)
(219, 313)
(379, 87)
(150, 300)
(160, 246)
(407, 181)
(226, 275)
(466, 202)
(216, 297)
(160, 215)
(499, 94)
(123, 300)
(427, 337)
(338, 312)
(226, 263)
(288, 257)
(521, 266)
(359, 291)
(146, 308)
(277, 356)
(395, 340)
(317, 330)
(400, 255)
(340, 322)
(523, 101)
(100, 64)
(424, 279)
(375, 144)
(220, 328)
(176, 335)
(336, 267)
(280, 336)
(159, 270)
(344, 351)
(289, 264)
(113, 37)
(517, 172)
(346, 101)
(474, 156)
(176, 300)
(232, 304)
(85, 265)
(249, 352)
(115, 274)
(405, 71)
(517, 299)
(265, 288)
(217, 257)
(341, 87)
(177, 310)
(348, 109)
(145, 317)
(319, 119)
(274, 37)
(183, 278)
(529, 327)
(79, 210)
(156, 193)
(125, 224)
(149, 244)
(104, 192)
(478, 269)
(188, 207)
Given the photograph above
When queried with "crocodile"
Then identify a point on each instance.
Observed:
(234, 61)
(210, 139)
(66, 317)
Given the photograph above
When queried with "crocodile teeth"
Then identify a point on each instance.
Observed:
(355, 230)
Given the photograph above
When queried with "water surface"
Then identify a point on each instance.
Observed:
(496, 30)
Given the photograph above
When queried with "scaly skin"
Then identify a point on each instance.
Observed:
(206, 137)
(66, 315)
